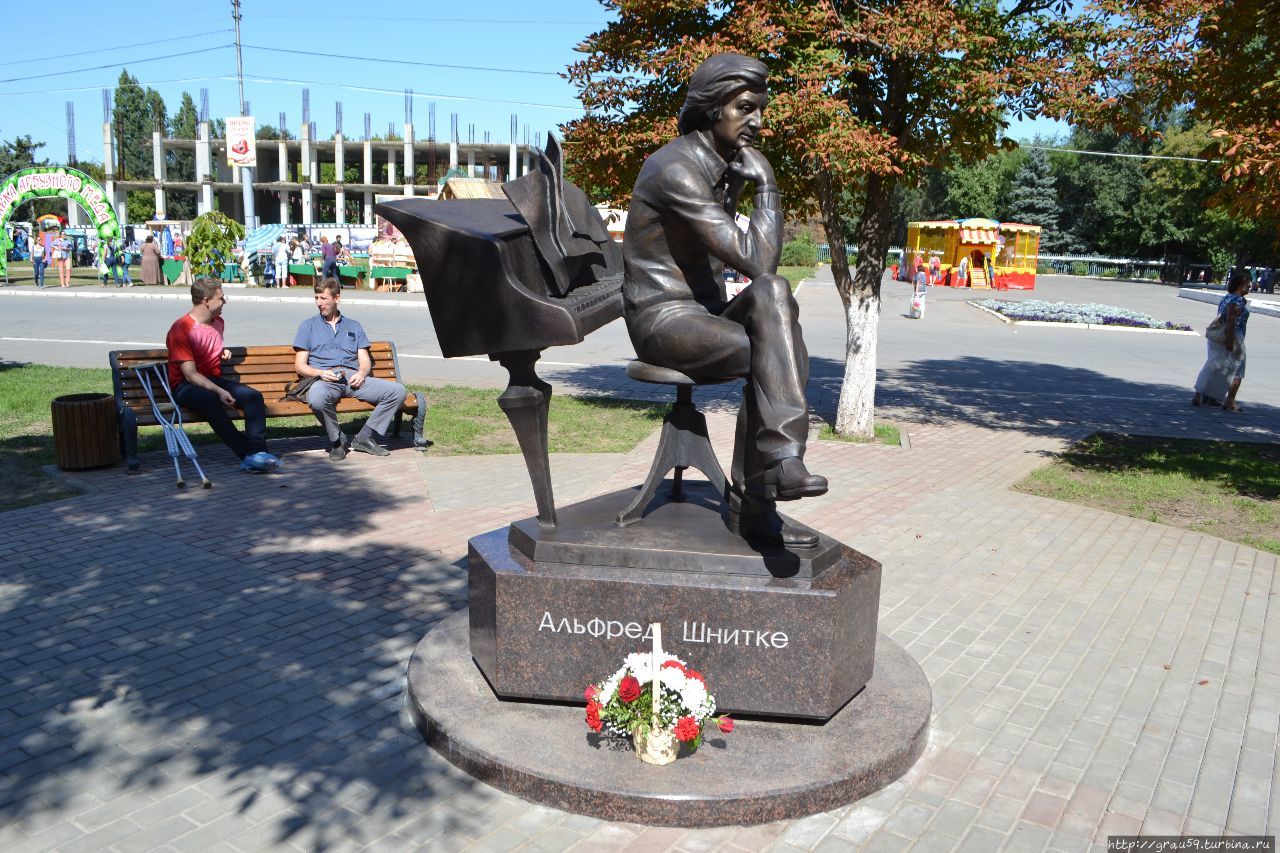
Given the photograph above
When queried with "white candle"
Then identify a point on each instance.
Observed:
(657, 669)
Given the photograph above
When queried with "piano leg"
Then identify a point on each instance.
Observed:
(525, 403)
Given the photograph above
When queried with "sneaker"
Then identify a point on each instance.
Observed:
(252, 465)
(365, 444)
(260, 463)
(338, 451)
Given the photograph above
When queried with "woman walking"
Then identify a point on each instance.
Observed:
(39, 260)
(1223, 369)
(151, 262)
(62, 259)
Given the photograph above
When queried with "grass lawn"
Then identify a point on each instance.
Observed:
(1226, 489)
(795, 274)
(459, 421)
(885, 434)
(20, 273)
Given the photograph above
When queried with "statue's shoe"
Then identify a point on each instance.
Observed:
(789, 480)
(762, 524)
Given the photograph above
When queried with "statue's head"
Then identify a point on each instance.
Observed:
(715, 90)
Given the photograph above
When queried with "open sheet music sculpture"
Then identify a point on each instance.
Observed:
(680, 236)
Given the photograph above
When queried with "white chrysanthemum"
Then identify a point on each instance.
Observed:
(693, 694)
(640, 665)
(610, 687)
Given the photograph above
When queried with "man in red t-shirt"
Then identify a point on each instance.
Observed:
(196, 353)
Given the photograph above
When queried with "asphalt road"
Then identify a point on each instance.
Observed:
(953, 343)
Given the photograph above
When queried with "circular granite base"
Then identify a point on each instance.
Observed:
(762, 772)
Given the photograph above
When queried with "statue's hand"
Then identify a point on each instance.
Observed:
(750, 165)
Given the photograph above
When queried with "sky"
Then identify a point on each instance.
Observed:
(484, 60)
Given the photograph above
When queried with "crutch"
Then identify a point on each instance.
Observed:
(175, 438)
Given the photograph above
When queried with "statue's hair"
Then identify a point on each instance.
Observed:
(716, 79)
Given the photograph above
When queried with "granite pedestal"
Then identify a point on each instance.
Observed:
(762, 772)
(779, 633)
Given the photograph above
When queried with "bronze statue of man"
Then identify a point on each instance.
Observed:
(680, 236)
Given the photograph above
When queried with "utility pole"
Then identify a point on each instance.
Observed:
(246, 174)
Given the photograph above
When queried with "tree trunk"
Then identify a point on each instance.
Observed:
(855, 413)
(833, 223)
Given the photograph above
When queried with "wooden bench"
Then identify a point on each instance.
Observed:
(268, 369)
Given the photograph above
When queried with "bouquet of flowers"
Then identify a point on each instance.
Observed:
(625, 705)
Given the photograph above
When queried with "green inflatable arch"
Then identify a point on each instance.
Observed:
(59, 182)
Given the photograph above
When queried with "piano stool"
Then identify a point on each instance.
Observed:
(683, 443)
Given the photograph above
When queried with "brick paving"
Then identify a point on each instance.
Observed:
(223, 669)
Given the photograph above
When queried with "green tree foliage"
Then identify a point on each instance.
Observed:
(133, 122)
(212, 242)
(137, 113)
(1098, 194)
(21, 154)
(1219, 60)
(973, 189)
(1033, 200)
(182, 164)
(270, 131)
(864, 96)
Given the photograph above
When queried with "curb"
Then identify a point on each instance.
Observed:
(1265, 307)
(240, 297)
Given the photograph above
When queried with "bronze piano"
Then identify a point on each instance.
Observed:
(509, 278)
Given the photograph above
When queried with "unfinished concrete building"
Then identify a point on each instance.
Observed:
(295, 180)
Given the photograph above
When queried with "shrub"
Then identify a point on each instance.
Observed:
(800, 252)
(212, 242)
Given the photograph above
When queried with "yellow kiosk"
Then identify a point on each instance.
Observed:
(975, 252)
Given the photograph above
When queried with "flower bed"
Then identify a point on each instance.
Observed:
(1091, 313)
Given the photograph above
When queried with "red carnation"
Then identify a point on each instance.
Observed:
(590, 692)
(674, 664)
(687, 729)
(725, 724)
(593, 715)
(696, 676)
(628, 689)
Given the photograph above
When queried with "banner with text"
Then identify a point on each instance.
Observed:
(242, 145)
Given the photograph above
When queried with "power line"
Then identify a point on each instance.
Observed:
(117, 47)
(402, 18)
(185, 53)
(291, 82)
(380, 91)
(1118, 154)
(33, 115)
(398, 61)
(112, 85)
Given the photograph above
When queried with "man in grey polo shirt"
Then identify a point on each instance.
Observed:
(334, 347)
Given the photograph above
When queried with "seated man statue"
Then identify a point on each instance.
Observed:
(334, 347)
(680, 234)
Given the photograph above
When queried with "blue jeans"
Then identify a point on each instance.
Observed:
(121, 269)
(248, 400)
(38, 267)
